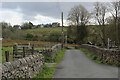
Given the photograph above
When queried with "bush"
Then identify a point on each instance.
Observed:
(31, 37)
(54, 37)
(13, 34)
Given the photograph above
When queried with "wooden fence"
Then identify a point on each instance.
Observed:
(20, 51)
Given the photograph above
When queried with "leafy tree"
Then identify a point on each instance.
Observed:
(27, 25)
(4, 25)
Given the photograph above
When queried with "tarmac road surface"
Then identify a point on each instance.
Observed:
(76, 64)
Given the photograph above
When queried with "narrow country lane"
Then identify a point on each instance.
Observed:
(75, 64)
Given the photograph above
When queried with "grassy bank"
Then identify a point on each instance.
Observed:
(95, 58)
(91, 55)
(48, 72)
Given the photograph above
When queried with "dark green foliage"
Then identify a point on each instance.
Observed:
(48, 59)
(71, 32)
(54, 37)
(81, 34)
(4, 25)
(9, 32)
(31, 37)
(27, 25)
(77, 34)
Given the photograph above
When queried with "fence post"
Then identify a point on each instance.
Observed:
(7, 56)
(14, 51)
(32, 49)
(23, 51)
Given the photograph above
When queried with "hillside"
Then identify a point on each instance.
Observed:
(46, 34)
(45, 31)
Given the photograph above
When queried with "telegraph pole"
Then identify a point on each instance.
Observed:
(66, 38)
(118, 25)
(108, 43)
(62, 31)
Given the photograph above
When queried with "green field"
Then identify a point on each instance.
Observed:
(10, 49)
(45, 31)
(45, 34)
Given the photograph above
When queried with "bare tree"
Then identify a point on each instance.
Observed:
(100, 11)
(78, 15)
(115, 11)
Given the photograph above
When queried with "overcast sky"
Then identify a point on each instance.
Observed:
(38, 12)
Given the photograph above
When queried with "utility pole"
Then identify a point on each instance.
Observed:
(62, 31)
(118, 25)
(66, 38)
(108, 43)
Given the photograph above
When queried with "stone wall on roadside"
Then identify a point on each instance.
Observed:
(109, 56)
(52, 51)
(27, 67)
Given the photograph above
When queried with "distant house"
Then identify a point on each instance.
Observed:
(41, 25)
(34, 26)
(1, 38)
(47, 25)
(55, 24)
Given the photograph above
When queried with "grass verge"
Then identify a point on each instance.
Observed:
(95, 58)
(48, 72)
(58, 57)
(91, 55)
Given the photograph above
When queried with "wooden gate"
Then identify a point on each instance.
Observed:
(22, 50)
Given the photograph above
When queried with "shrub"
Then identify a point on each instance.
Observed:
(31, 37)
(54, 37)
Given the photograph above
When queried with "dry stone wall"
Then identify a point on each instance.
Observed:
(27, 67)
(107, 56)
(51, 52)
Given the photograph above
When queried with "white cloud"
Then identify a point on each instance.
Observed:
(15, 17)
(108, 14)
(44, 19)
(40, 19)
(11, 17)
(57, 0)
